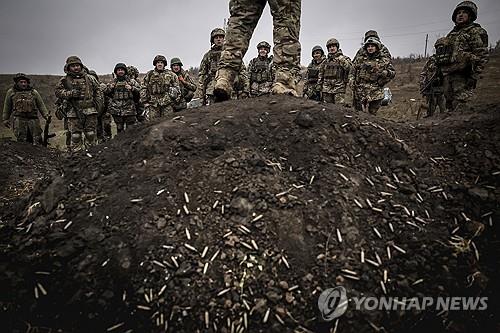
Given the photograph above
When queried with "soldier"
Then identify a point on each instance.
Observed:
(103, 117)
(83, 98)
(23, 103)
(121, 97)
(260, 71)
(311, 88)
(431, 78)
(188, 87)
(244, 17)
(370, 72)
(384, 51)
(468, 54)
(334, 74)
(160, 90)
(208, 67)
(133, 73)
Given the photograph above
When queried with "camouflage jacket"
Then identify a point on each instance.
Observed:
(469, 50)
(160, 88)
(186, 83)
(369, 74)
(122, 101)
(261, 75)
(23, 103)
(334, 73)
(311, 86)
(89, 100)
(384, 52)
(431, 77)
(208, 68)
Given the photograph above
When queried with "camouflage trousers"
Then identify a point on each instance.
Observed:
(338, 98)
(87, 127)
(27, 130)
(368, 106)
(434, 101)
(245, 15)
(104, 127)
(458, 89)
(155, 112)
(123, 122)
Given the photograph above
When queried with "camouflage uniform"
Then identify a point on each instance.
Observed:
(188, 87)
(133, 73)
(431, 80)
(160, 91)
(468, 54)
(384, 51)
(24, 104)
(208, 69)
(311, 88)
(334, 75)
(103, 117)
(121, 99)
(261, 72)
(368, 76)
(241, 88)
(245, 15)
(83, 98)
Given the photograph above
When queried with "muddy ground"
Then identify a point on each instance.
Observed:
(235, 217)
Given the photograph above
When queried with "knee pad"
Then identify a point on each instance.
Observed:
(91, 136)
(76, 137)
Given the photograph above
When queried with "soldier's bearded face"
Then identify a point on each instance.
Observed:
(371, 48)
(333, 48)
(462, 16)
(160, 65)
(23, 84)
(176, 68)
(120, 72)
(317, 55)
(263, 52)
(218, 40)
(75, 68)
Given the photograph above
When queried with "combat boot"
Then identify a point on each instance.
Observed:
(284, 84)
(224, 81)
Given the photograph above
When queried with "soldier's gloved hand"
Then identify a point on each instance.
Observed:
(6, 123)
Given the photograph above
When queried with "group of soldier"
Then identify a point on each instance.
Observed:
(86, 105)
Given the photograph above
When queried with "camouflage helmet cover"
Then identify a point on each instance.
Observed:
(122, 66)
(317, 48)
(176, 61)
(161, 58)
(73, 60)
(21, 76)
(371, 33)
(373, 41)
(133, 71)
(264, 45)
(470, 6)
(332, 41)
(217, 32)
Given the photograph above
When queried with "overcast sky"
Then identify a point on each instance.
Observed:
(37, 35)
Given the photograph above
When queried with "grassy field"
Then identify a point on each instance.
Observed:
(405, 90)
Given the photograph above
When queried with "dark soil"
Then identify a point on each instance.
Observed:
(227, 218)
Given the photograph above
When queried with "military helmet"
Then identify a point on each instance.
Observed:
(176, 61)
(332, 41)
(371, 33)
(122, 66)
(217, 32)
(21, 76)
(470, 6)
(374, 41)
(317, 48)
(264, 45)
(73, 60)
(133, 71)
(159, 57)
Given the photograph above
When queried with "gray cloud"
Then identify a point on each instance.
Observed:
(37, 36)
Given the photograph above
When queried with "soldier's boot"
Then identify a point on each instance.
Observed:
(224, 81)
(76, 141)
(285, 84)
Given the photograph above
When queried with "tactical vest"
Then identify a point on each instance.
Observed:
(23, 102)
(120, 93)
(444, 53)
(157, 83)
(261, 70)
(83, 85)
(334, 71)
(213, 62)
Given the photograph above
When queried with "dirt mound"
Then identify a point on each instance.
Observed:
(237, 216)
